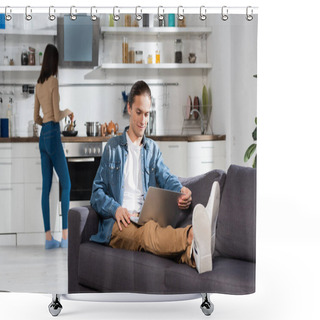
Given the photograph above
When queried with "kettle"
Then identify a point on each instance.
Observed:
(112, 126)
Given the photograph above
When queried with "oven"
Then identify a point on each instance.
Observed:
(83, 159)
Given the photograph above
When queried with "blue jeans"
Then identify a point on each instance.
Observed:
(52, 156)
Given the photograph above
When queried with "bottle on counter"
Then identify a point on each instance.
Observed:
(157, 54)
(131, 55)
(9, 116)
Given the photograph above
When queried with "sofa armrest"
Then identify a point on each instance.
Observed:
(82, 222)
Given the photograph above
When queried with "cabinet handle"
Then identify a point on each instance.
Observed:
(207, 147)
(6, 148)
(7, 163)
(6, 189)
(38, 163)
(173, 146)
(204, 162)
(38, 188)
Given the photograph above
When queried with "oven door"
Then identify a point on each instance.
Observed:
(82, 171)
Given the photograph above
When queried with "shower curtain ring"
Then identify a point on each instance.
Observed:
(73, 17)
(249, 17)
(138, 15)
(203, 16)
(160, 15)
(116, 17)
(224, 13)
(93, 16)
(8, 16)
(28, 16)
(180, 15)
(52, 16)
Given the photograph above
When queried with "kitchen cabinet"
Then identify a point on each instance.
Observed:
(204, 156)
(174, 155)
(20, 191)
(148, 39)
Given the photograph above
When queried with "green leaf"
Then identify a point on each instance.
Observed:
(254, 165)
(250, 151)
(254, 134)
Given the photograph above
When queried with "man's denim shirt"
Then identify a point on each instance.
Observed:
(108, 185)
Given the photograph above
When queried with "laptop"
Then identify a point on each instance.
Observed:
(160, 205)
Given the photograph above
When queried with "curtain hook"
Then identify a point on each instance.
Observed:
(27, 15)
(160, 16)
(8, 16)
(138, 16)
(93, 16)
(116, 17)
(249, 17)
(51, 16)
(73, 17)
(203, 16)
(180, 15)
(224, 13)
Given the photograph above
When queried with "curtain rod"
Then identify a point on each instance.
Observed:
(138, 10)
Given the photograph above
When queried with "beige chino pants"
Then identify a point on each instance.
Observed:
(164, 242)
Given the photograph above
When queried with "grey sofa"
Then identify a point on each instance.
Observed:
(97, 268)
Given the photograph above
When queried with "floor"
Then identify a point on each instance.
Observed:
(33, 269)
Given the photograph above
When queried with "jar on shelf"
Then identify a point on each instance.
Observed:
(24, 57)
(149, 58)
(178, 51)
(157, 56)
(40, 58)
(131, 55)
(139, 55)
(31, 56)
(125, 50)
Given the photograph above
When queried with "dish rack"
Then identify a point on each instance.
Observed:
(192, 123)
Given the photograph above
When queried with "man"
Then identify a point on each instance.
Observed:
(129, 165)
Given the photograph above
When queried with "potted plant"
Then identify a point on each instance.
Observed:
(252, 148)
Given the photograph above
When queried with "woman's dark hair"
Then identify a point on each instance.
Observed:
(49, 64)
(139, 88)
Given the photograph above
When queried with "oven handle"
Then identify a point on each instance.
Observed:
(80, 159)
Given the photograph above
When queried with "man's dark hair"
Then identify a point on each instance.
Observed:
(139, 88)
(50, 63)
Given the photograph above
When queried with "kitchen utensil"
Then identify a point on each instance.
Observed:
(93, 128)
(104, 129)
(112, 126)
(188, 108)
(69, 133)
(196, 105)
(205, 100)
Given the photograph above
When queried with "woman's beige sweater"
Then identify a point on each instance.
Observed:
(47, 96)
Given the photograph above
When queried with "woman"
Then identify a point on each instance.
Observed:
(51, 151)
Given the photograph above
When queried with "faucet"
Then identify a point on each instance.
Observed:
(202, 126)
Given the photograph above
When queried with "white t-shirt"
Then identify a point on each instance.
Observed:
(133, 191)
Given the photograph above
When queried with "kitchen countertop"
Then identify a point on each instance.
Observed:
(190, 138)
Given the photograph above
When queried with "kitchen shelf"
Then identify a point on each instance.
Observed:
(32, 32)
(19, 68)
(99, 72)
(151, 31)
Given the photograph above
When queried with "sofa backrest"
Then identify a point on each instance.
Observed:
(236, 227)
(200, 187)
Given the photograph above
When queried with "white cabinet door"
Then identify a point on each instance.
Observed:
(204, 156)
(5, 150)
(33, 211)
(11, 170)
(12, 208)
(174, 155)
(32, 172)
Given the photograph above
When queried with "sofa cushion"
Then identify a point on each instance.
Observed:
(236, 226)
(115, 270)
(200, 187)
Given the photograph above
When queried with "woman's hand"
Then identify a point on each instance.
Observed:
(185, 200)
(122, 216)
(71, 116)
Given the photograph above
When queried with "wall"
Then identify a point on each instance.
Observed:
(234, 56)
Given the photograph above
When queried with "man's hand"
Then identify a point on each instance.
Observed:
(185, 200)
(122, 215)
